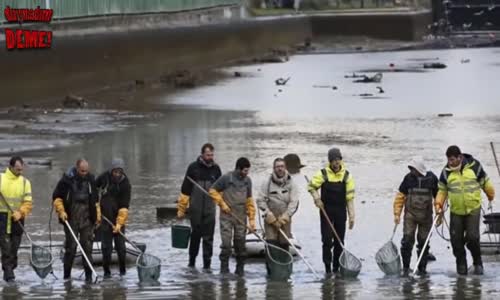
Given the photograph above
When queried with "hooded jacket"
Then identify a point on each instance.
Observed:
(65, 190)
(113, 195)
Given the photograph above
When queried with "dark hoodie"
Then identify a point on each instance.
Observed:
(68, 188)
(113, 195)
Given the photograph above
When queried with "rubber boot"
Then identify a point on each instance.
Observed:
(107, 272)
(224, 266)
(328, 268)
(461, 266)
(67, 273)
(8, 275)
(240, 267)
(478, 269)
(192, 261)
(206, 264)
(406, 272)
(88, 277)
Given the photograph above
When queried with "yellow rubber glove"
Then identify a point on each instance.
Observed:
(98, 214)
(16, 216)
(251, 224)
(182, 205)
(121, 220)
(59, 206)
(217, 198)
(25, 209)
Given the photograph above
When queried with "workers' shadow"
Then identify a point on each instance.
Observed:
(11, 292)
(276, 289)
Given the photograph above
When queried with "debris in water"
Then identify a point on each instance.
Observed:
(363, 202)
(334, 88)
(58, 110)
(139, 82)
(354, 75)
(73, 101)
(377, 78)
(434, 66)
(380, 90)
(465, 61)
(445, 115)
(280, 90)
(281, 81)
(237, 74)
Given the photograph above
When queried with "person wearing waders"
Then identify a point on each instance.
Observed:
(16, 190)
(114, 190)
(233, 193)
(337, 199)
(75, 201)
(278, 200)
(416, 194)
(461, 182)
(205, 172)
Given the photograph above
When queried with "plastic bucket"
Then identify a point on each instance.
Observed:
(279, 264)
(180, 236)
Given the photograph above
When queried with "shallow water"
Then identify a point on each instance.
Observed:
(249, 117)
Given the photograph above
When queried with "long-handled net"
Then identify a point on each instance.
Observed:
(41, 260)
(148, 266)
(388, 258)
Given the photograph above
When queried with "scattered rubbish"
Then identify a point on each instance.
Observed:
(280, 90)
(237, 74)
(380, 90)
(363, 202)
(25, 106)
(58, 110)
(354, 75)
(365, 95)
(281, 81)
(392, 65)
(445, 115)
(334, 88)
(73, 101)
(358, 48)
(318, 86)
(184, 79)
(258, 70)
(366, 79)
(465, 61)
(434, 66)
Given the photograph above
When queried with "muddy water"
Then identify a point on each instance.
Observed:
(249, 116)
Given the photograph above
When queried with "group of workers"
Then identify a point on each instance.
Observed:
(83, 202)
(459, 187)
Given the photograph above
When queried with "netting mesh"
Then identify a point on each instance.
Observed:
(41, 261)
(148, 267)
(388, 259)
(350, 265)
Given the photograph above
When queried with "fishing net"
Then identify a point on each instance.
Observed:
(148, 267)
(41, 260)
(388, 259)
(350, 265)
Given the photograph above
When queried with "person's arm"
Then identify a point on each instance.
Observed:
(485, 183)
(442, 193)
(400, 200)
(216, 193)
(186, 189)
(293, 205)
(313, 186)
(26, 204)
(122, 217)
(350, 200)
(60, 192)
(250, 206)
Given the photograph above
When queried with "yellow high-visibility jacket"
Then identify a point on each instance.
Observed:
(16, 190)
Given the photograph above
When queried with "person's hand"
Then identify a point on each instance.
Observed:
(270, 218)
(490, 205)
(17, 215)
(284, 219)
(252, 226)
(351, 224)
(397, 219)
(117, 228)
(225, 208)
(63, 216)
(180, 214)
(277, 224)
(319, 204)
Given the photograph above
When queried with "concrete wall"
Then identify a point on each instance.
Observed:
(79, 62)
(407, 26)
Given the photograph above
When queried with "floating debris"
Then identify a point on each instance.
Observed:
(73, 101)
(380, 90)
(434, 66)
(281, 81)
(465, 61)
(377, 78)
(445, 115)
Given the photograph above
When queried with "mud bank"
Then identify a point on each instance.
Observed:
(90, 55)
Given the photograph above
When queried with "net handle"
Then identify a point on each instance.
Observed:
(123, 235)
(394, 232)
